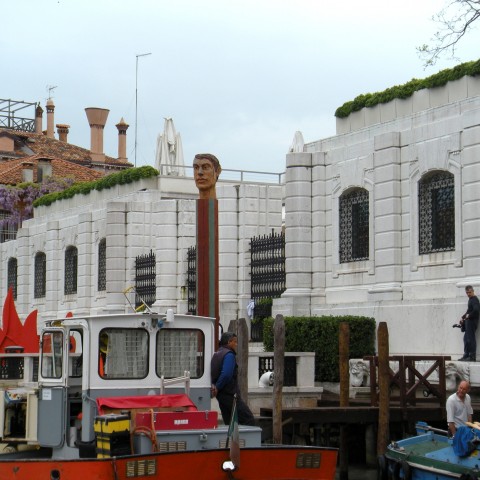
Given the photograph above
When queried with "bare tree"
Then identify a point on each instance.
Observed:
(454, 21)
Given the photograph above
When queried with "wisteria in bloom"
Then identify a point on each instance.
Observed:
(16, 202)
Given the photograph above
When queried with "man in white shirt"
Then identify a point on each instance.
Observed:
(459, 407)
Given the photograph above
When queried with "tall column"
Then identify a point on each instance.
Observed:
(298, 237)
(207, 260)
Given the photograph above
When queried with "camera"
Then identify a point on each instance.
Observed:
(456, 325)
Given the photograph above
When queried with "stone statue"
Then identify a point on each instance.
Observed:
(454, 371)
(359, 372)
(206, 170)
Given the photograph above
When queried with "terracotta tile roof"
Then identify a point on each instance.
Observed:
(11, 172)
(37, 143)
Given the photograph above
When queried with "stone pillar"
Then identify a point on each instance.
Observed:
(387, 205)
(86, 271)
(298, 237)
(55, 255)
(166, 248)
(116, 238)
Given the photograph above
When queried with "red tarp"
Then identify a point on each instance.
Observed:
(170, 401)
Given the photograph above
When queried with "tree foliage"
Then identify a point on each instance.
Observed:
(454, 21)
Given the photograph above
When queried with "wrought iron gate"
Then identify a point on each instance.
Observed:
(145, 279)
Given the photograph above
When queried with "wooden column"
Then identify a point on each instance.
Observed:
(344, 353)
(278, 371)
(383, 389)
(207, 261)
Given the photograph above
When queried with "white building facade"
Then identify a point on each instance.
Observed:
(383, 219)
(152, 215)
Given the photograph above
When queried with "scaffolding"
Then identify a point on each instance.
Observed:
(9, 116)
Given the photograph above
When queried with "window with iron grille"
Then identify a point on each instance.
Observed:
(145, 279)
(436, 213)
(102, 265)
(354, 226)
(40, 281)
(12, 275)
(192, 280)
(71, 270)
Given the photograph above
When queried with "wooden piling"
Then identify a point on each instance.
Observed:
(278, 362)
(383, 389)
(344, 354)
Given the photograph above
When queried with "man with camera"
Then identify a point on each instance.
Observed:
(468, 324)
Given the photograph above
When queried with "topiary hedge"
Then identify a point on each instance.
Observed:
(320, 335)
(120, 178)
(404, 91)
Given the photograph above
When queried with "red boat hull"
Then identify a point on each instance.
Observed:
(265, 463)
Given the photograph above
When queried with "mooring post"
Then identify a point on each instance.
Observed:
(344, 353)
(278, 369)
(383, 389)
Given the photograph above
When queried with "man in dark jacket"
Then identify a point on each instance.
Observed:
(469, 322)
(224, 371)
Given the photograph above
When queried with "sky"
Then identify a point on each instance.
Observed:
(238, 77)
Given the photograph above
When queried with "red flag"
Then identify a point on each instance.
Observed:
(30, 340)
(11, 324)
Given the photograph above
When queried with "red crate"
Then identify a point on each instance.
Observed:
(178, 420)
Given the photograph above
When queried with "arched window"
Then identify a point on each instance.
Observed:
(71, 269)
(102, 265)
(12, 275)
(40, 281)
(354, 226)
(436, 213)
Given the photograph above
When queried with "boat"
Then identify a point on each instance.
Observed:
(127, 396)
(432, 455)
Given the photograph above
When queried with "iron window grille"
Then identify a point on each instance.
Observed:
(71, 270)
(192, 280)
(354, 226)
(40, 281)
(12, 275)
(102, 265)
(436, 213)
(145, 279)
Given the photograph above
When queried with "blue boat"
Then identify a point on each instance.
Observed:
(432, 455)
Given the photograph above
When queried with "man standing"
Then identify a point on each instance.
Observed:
(459, 407)
(470, 322)
(224, 371)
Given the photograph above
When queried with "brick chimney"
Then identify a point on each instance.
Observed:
(38, 119)
(27, 171)
(122, 127)
(97, 118)
(50, 122)
(62, 131)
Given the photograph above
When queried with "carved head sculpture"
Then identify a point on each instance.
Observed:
(206, 170)
(359, 372)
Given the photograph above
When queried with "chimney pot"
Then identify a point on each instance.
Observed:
(38, 119)
(122, 127)
(62, 131)
(97, 118)
(50, 118)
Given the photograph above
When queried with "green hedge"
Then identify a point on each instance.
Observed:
(404, 91)
(320, 335)
(120, 178)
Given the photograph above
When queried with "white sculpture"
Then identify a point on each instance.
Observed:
(359, 372)
(266, 380)
(456, 371)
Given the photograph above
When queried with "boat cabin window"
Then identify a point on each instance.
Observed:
(123, 353)
(180, 350)
(75, 357)
(52, 354)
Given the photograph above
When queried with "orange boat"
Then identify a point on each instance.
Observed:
(125, 396)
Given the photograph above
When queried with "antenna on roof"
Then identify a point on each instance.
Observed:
(50, 89)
